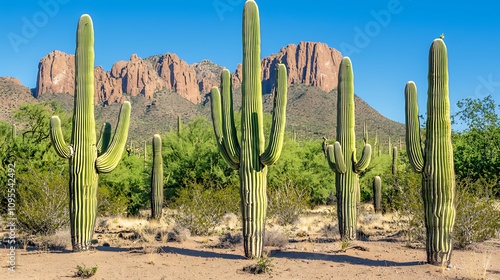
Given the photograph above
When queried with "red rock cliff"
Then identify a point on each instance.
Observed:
(308, 63)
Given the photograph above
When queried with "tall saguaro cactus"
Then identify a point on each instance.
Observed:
(342, 155)
(157, 179)
(87, 157)
(377, 194)
(249, 156)
(436, 161)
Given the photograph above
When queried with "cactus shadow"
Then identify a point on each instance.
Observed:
(201, 254)
(340, 258)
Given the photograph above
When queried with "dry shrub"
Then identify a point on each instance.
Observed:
(201, 210)
(477, 217)
(275, 238)
(287, 202)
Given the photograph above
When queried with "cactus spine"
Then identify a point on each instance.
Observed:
(436, 161)
(342, 155)
(87, 157)
(249, 156)
(377, 194)
(157, 179)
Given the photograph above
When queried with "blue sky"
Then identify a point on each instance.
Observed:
(387, 41)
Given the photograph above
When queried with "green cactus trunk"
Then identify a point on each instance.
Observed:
(86, 160)
(394, 162)
(377, 194)
(438, 176)
(249, 156)
(342, 156)
(157, 179)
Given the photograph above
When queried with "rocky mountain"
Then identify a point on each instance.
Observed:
(12, 95)
(308, 63)
(163, 87)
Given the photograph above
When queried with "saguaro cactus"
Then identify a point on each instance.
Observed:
(249, 156)
(157, 179)
(377, 194)
(436, 162)
(342, 155)
(87, 157)
(394, 162)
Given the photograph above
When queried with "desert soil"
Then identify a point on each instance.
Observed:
(307, 255)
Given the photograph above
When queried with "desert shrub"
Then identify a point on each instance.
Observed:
(287, 202)
(192, 157)
(404, 197)
(179, 234)
(304, 164)
(126, 189)
(263, 265)
(228, 240)
(477, 215)
(42, 201)
(276, 238)
(201, 209)
(85, 272)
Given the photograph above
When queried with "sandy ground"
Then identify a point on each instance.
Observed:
(309, 256)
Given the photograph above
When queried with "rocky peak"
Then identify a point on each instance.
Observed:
(308, 63)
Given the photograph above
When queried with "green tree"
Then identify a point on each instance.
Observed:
(191, 157)
(477, 148)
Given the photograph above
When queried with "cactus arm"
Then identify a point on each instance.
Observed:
(335, 158)
(273, 151)
(366, 154)
(217, 122)
(109, 160)
(228, 127)
(56, 135)
(413, 143)
(364, 161)
(104, 138)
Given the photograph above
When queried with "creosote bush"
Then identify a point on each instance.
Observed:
(42, 201)
(477, 215)
(201, 209)
(287, 202)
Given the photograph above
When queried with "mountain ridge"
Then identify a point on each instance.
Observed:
(163, 87)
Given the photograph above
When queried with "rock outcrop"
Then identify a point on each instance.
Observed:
(308, 63)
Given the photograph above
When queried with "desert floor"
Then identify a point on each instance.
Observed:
(135, 249)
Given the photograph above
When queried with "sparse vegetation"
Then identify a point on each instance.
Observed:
(84, 272)
(263, 265)
(201, 210)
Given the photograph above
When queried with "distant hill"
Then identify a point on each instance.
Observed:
(12, 95)
(163, 87)
(311, 113)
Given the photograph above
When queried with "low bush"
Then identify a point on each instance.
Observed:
(477, 216)
(42, 202)
(201, 210)
(287, 202)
